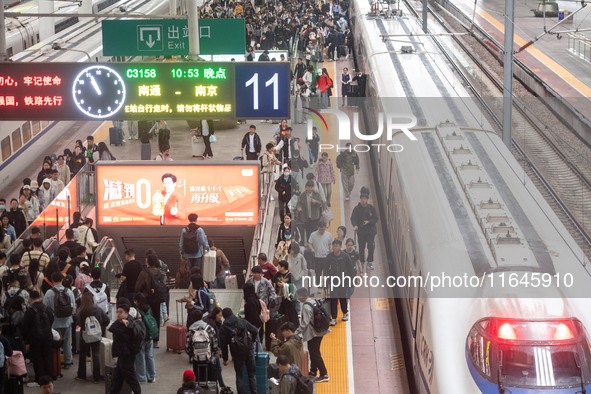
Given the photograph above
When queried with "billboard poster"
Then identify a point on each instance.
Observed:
(164, 195)
(58, 208)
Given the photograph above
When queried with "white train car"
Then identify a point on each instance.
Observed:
(500, 306)
(23, 32)
(22, 140)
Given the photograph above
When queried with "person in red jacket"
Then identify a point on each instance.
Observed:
(323, 83)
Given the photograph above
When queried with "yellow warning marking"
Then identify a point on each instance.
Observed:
(552, 65)
(397, 362)
(384, 304)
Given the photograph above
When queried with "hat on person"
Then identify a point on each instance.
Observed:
(84, 264)
(34, 185)
(26, 187)
(188, 375)
(47, 180)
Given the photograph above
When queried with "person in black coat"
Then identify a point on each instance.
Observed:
(364, 218)
(122, 330)
(251, 143)
(283, 188)
(252, 305)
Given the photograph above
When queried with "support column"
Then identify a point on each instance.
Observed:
(508, 72)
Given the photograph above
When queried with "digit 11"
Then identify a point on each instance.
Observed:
(274, 80)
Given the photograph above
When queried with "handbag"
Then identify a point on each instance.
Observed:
(327, 215)
(16, 364)
(213, 139)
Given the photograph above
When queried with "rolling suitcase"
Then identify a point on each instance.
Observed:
(105, 354)
(56, 363)
(209, 265)
(109, 375)
(273, 326)
(231, 282)
(14, 385)
(205, 378)
(115, 136)
(261, 361)
(176, 334)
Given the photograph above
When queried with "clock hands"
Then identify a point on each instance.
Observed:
(95, 85)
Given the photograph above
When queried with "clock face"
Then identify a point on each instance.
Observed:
(99, 91)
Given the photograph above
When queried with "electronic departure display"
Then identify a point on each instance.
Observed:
(138, 91)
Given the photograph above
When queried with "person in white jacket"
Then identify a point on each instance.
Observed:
(86, 237)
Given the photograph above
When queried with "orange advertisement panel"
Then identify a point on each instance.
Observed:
(155, 194)
(58, 208)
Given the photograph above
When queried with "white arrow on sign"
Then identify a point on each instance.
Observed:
(149, 30)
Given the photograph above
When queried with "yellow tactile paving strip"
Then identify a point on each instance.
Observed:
(334, 344)
(551, 64)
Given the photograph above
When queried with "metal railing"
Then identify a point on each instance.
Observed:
(261, 226)
(108, 259)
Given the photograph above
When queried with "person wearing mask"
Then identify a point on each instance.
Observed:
(88, 309)
(283, 188)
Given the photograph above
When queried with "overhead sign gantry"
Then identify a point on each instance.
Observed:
(86, 91)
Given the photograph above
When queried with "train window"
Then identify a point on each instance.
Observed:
(65, 24)
(36, 127)
(5, 146)
(16, 140)
(26, 129)
(479, 350)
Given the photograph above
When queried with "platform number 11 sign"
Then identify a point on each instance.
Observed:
(262, 90)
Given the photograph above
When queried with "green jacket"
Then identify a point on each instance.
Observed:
(316, 206)
(293, 349)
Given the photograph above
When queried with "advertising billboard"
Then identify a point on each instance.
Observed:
(57, 210)
(154, 194)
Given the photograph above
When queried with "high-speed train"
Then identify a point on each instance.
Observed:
(500, 304)
(22, 140)
(23, 32)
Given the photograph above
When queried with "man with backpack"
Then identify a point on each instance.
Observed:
(292, 381)
(202, 348)
(193, 243)
(62, 303)
(37, 324)
(128, 336)
(291, 347)
(15, 276)
(99, 290)
(237, 333)
(313, 326)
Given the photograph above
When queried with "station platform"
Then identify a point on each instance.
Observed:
(563, 71)
(362, 355)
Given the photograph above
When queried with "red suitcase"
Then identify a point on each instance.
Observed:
(56, 363)
(176, 334)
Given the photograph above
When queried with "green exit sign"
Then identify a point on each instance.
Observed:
(170, 37)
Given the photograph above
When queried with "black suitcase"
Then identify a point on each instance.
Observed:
(206, 378)
(115, 136)
(109, 374)
(342, 51)
(14, 385)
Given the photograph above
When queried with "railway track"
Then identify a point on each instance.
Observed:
(551, 154)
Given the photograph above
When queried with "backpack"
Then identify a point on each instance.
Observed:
(190, 241)
(138, 336)
(240, 342)
(151, 324)
(320, 320)
(201, 343)
(211, 300)
(11, 275)
(100, 296)
(62, 306)
(265, 314)
(92, 330)
(304, 385)
(10, 302)
(41, 327)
